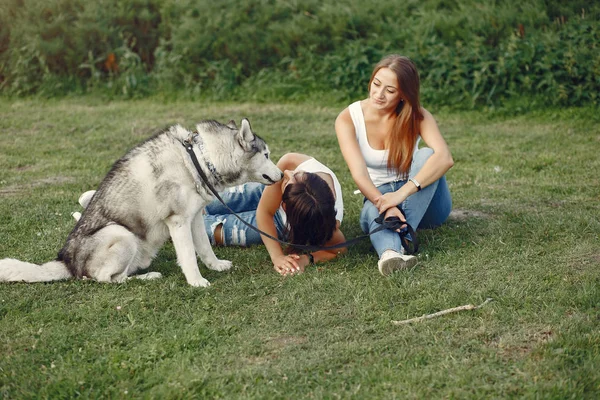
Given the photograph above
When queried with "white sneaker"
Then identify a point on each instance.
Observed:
(391, 261)
(85, 198)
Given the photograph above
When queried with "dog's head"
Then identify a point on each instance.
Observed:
(237, 154)
(256, 164)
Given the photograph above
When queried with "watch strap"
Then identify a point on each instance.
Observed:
(416, 183)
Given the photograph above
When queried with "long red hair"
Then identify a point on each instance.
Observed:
(402, 139)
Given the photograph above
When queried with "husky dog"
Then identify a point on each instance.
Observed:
(152, 193)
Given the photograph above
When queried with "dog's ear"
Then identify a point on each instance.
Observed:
(245, 133)
(232, 124)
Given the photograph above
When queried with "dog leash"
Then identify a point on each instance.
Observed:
(393, 223)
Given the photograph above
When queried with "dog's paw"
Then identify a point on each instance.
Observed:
(220, 265)
(199, 283)
(149, 275)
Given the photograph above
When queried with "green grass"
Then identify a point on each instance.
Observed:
(525, 232)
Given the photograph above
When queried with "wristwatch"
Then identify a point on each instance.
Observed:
(416, 182)
(311, 258)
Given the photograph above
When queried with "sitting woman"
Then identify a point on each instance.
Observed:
(304, 208)
(378, 137)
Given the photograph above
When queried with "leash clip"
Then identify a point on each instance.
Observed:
(187, 143)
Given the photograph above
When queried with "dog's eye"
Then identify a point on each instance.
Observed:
(266, 156)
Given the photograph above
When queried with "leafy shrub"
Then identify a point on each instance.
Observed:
(469, 53)
(77, 41)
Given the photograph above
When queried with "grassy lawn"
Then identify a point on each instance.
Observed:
(525, 232)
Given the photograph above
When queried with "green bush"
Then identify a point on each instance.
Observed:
(63, 45)
(469, 53)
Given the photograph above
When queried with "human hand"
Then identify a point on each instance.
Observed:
(395, 212)
(289, 264)
(387, 201)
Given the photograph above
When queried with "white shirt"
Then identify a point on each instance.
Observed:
(376, 160)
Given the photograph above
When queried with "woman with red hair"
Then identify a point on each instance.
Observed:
(379, 139)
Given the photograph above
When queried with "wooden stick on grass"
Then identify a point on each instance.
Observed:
(443, 312)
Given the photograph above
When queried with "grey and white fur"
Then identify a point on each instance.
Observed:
(152, 193)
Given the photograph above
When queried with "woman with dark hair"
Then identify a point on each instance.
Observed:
(305, 207)
(308, 202)
(379, 138)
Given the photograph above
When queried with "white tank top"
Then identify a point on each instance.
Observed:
(312, 165)
(376, 160)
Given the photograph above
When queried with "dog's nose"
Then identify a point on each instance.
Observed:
(268, 179)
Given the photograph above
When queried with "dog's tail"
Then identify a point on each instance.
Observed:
(12, 270)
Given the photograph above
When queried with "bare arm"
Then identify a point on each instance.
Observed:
(433, 169)
(346, 135)
(441, 160)
(337, 238)
(268, 206)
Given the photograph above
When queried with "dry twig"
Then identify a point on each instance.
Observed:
(443, 312)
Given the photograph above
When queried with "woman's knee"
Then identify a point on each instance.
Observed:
(419, 159)
(439, 208)
(368, 213)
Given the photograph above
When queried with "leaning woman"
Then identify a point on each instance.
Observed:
(304, 208)
(379, 139)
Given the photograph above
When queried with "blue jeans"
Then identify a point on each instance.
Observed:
(243, 200)
(427, 208)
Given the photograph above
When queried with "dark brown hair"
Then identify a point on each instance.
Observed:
(403, 137)
(310, 210)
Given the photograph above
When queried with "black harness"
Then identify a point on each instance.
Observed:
(410, 245)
